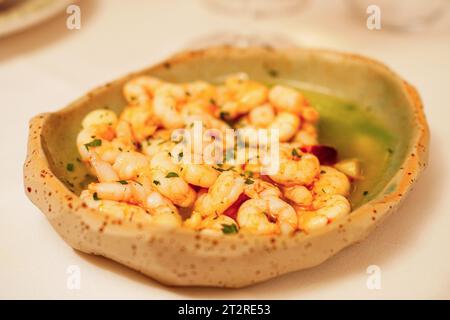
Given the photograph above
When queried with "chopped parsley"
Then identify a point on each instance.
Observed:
(273, 73)
(222, 169)
(295, 153)
(224, 115)
(249, 181)
(70, 167)
(95, 196)
(93, 143)
(247, 174)
(172, 175)
(365, 193)
(229, 228)
(122, 182)
(156, 182)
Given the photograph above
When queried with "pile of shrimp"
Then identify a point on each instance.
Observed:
(139, 181)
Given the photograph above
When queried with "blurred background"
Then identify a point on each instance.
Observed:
(53, 51)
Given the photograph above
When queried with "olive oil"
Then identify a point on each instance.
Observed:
(356, 132)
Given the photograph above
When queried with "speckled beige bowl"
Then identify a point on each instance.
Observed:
(185, 258)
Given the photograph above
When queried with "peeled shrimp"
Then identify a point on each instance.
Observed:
(140, 89)
(247, 93)
(240, 95)
(325, 209)
(128, 165)
(102, 169)
(166, 177)
(166, 105)
(141, 119)
(200, 175)
(200, 111)
(214, 225)
(163, 212)
(257, 188)
(296, 170)
(286, 99)
(199, 90)
(154, 145)
(287, 123)
(119, 210)
(98, 134)
(94, 137)
(331, 181)
(99, 117)
(269, 215)
(300, 195)
(170, 185)
(262, 116)
(309, 114)
(222, 194)
(304, 138)
(163, 161)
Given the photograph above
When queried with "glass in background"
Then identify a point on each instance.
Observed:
(247, 14)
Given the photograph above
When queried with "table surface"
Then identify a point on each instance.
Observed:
(45, 68)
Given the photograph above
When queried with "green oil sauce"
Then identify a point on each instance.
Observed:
(356, 132)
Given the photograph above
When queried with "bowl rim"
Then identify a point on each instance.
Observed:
(375, 209)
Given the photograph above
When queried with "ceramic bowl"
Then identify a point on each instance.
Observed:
(184, 257)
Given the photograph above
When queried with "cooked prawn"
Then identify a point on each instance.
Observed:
(94, 137)
(140, 89)
(200, 90)
(331, 181)
(213, 225)
(118, 210)
(286, 99)
(262, 116)
(296, 168)
(287, 123)
(269, 215)
(128, 165)
(305, 138)
(324, 210)
(300, 195)
(102, 169)
(167, 104)
(257, 188)
(142, 121)
(201, 175)
(173, 187)
(222, 194)
(131, 193)
(240, 95)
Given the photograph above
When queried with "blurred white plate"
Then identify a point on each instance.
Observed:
(26, 13)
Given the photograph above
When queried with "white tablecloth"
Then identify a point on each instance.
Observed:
(44, 68)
